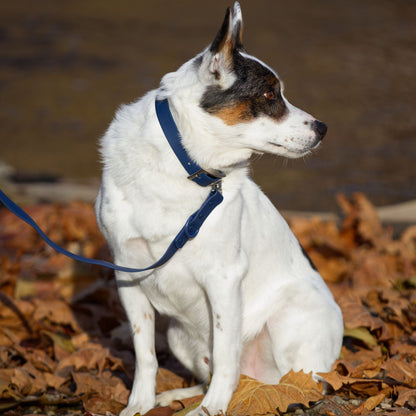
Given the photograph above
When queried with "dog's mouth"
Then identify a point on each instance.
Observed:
(307, 149)
(285, 150)
(290, 153)
(277, 145)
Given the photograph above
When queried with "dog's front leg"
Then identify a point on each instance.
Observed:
(142, 320)
(225, 300)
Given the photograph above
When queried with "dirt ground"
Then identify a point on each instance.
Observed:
(66, 67)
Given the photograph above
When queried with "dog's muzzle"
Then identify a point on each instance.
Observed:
(320, 129)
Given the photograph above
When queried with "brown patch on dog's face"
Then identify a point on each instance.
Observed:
(234, 115)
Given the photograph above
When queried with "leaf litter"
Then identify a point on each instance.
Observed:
(65, 346)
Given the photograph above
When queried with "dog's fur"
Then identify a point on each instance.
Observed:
(243, 296)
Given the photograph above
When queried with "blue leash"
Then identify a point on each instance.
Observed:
(192, 225)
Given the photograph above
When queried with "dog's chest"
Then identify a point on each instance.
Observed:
(175, 293)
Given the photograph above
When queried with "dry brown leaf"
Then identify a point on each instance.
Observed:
(409, 236)
(361, 217)
(186, 404)
(5, 377)
(405, 395)
(99, 405)
(37, 357)
(191, 406)
(332, 269)
(373, 269)
(404, 345)
(359, 359)
(167, 380)
(103, 394)
(401, 371)
(368, 368)
(160, 411)
(357, 315)
(368, 388)
(91, 359)
(369, 225)
(363, 334)
(374, 401)
(254, 397)
(54, 381)
(362, 386)
(62, 345)
(334, 379)
(56, 311)
(27, 380)
(86, 383)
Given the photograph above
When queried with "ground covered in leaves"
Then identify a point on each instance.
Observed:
(65, 347)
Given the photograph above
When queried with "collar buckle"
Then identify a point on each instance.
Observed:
(206, 177)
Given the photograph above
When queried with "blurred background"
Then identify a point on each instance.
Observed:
(67, 65)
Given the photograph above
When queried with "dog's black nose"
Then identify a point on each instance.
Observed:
(320, 128)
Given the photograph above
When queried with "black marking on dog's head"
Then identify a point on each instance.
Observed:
(256, 90)
(308, 258)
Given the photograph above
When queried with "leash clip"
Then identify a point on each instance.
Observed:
(217, 186)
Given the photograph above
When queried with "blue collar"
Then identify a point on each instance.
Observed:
(200, 176)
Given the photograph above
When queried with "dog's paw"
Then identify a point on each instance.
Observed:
(167, 397)
(133, 410)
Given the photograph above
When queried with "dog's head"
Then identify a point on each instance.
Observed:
(247, 97)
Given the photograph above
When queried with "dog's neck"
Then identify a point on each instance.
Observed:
(203, 136)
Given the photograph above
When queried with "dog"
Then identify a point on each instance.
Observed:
(243, 297)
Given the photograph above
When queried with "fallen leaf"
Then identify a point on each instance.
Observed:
(404, 345)
(57, 311)
(254, 397)
(361, 216)
(101, 394)
(357, 315)
(334, 379)
(188, 408)
(160, 411)
(62, 341)
(401, 371)
(405, 395)
(54, 381)
(5, 378)
(27, 380)
(187, 403)
(374, 401)
(90, 359)
(99, 405)
(37, 357)
(167, 380)
(363, 334)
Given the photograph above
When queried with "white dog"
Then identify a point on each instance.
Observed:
(243, 296)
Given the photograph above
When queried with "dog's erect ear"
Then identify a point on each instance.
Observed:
(228, 39)
(231, 32)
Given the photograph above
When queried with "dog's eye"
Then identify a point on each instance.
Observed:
(270, 95)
